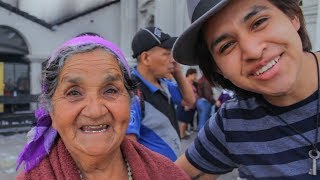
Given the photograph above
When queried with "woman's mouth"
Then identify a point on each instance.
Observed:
(267, 66)
(95, 128)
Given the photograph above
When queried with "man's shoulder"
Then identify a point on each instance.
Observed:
(241, 103)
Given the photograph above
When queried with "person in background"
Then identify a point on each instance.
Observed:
(83, 116)
(154, 124)
(224, 96)
(259, 49)
(205, 101)
(185, 113)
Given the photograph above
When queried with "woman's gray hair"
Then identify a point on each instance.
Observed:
(50, 74)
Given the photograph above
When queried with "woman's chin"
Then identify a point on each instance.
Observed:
(96, 151)
(97, 144)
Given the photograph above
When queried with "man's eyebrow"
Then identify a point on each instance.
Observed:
(254, 11)
(218, 40)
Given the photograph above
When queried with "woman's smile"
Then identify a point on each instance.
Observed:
(94, 128)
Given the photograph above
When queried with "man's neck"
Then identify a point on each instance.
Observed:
(148, 76)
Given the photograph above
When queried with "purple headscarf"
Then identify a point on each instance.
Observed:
(90, 39)
(42, 136)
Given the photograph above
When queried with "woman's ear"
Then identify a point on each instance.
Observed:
(53, 124)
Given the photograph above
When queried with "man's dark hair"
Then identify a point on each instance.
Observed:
(191, 71)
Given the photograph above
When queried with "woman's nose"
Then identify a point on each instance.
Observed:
(94, 108)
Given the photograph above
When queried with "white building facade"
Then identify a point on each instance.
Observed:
(41, 27)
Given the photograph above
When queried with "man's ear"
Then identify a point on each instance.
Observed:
(144, 58)
(296, 23)
(219, 71)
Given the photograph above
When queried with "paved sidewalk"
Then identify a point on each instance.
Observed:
(10, 147)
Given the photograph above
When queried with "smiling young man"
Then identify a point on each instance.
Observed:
(259, 49)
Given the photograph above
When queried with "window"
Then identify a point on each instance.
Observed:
(16, 80)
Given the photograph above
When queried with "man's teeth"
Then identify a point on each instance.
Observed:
(267, 66)
(94, 129)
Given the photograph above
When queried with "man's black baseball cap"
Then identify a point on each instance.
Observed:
(147, 38)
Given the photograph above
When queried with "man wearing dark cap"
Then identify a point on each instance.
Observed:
(158, 128)
(259, 49)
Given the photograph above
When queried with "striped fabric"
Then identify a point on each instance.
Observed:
(248, 135)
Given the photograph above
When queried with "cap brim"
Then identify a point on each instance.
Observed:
(184, 49)
(168, 44)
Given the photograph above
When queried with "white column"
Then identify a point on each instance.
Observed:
(171, 16)
(181, 16)
(35, 79)
(165, 16)
(128, 27)
(317, 35)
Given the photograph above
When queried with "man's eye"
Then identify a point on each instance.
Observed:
(167, 54)
(226, 46)
(258, 23)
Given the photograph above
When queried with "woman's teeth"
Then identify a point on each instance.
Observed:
(267, 66)
(95, 129)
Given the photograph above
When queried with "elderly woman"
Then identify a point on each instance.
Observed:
(80, 131)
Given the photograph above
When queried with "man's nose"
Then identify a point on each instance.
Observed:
(251, 47)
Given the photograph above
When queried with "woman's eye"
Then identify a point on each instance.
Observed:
(226, 46)
(111, 92)
(258, 23)
(73, 93)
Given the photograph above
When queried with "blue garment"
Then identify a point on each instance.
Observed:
(247, 134)
(204, 109)
(135, 117)
(156, 129)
